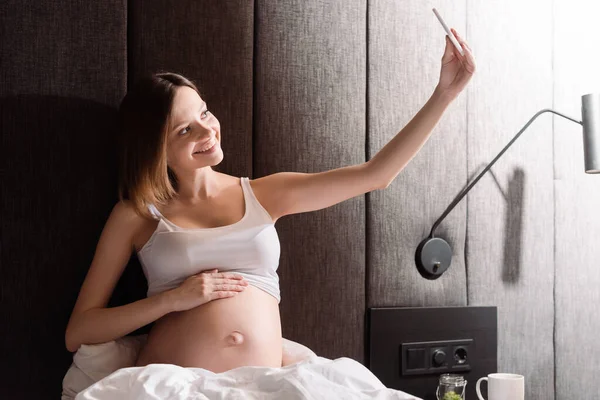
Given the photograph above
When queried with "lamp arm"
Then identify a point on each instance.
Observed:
(465, 191)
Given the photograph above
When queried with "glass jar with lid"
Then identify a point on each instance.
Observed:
(451, 387)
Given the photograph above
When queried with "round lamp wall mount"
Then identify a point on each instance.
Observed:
(434, 255)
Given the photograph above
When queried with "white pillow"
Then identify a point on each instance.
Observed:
(96, 361)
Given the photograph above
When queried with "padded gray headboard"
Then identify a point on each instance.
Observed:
(304, 86)
(65, 69)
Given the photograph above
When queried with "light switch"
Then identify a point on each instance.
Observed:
(416, 359)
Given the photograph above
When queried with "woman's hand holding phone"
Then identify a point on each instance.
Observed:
(458, 66)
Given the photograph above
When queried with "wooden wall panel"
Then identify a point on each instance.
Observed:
(510, 231)
(310, 117)
(576, 72)
(62, 75)
(406, 44)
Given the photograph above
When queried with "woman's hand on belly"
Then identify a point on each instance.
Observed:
(206, 286)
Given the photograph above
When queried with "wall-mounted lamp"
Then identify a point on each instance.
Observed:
(433, 255)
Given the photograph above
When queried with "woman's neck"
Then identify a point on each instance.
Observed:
(201, 185)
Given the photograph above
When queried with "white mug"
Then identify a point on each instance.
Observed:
(503, 387)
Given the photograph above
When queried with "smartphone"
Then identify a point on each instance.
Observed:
(449, 32)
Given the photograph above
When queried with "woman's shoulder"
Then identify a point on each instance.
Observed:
(124, 213)
(127, 223)
(124, 209)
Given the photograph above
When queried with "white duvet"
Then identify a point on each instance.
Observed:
(313, 378)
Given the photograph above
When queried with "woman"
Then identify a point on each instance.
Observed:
(206, 240)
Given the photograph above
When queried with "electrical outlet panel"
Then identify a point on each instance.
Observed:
(437, 357)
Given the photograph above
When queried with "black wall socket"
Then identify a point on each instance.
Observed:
(438, 357)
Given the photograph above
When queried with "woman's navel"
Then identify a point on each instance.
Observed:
(235, 338)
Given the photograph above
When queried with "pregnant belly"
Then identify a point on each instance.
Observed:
(219, 335)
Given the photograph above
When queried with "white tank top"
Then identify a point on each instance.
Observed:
(249, 247)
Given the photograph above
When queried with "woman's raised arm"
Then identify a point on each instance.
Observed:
(291, 192)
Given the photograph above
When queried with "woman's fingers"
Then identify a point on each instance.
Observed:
(223, 282)
(221, 275)
(462, 42)
(460, 38)
(227, 275)
(219, 294)
(229, 288)
(207, 272)
(457, 36)
(449, 52)
(229, 281)
(468, 57)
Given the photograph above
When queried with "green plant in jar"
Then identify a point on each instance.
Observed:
(452, 396)
(451, 387)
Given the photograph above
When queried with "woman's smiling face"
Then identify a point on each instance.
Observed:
(194, 134)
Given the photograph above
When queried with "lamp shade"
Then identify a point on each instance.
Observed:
(590, 115)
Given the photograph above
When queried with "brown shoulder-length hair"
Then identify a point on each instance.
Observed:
(143, 121)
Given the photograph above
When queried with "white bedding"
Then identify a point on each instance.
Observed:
(313, 378)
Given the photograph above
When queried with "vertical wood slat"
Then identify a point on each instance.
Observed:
(211, 43)
(577, 196)
(310, 117)
(510, 231)
(63, 72)
(406, 44)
